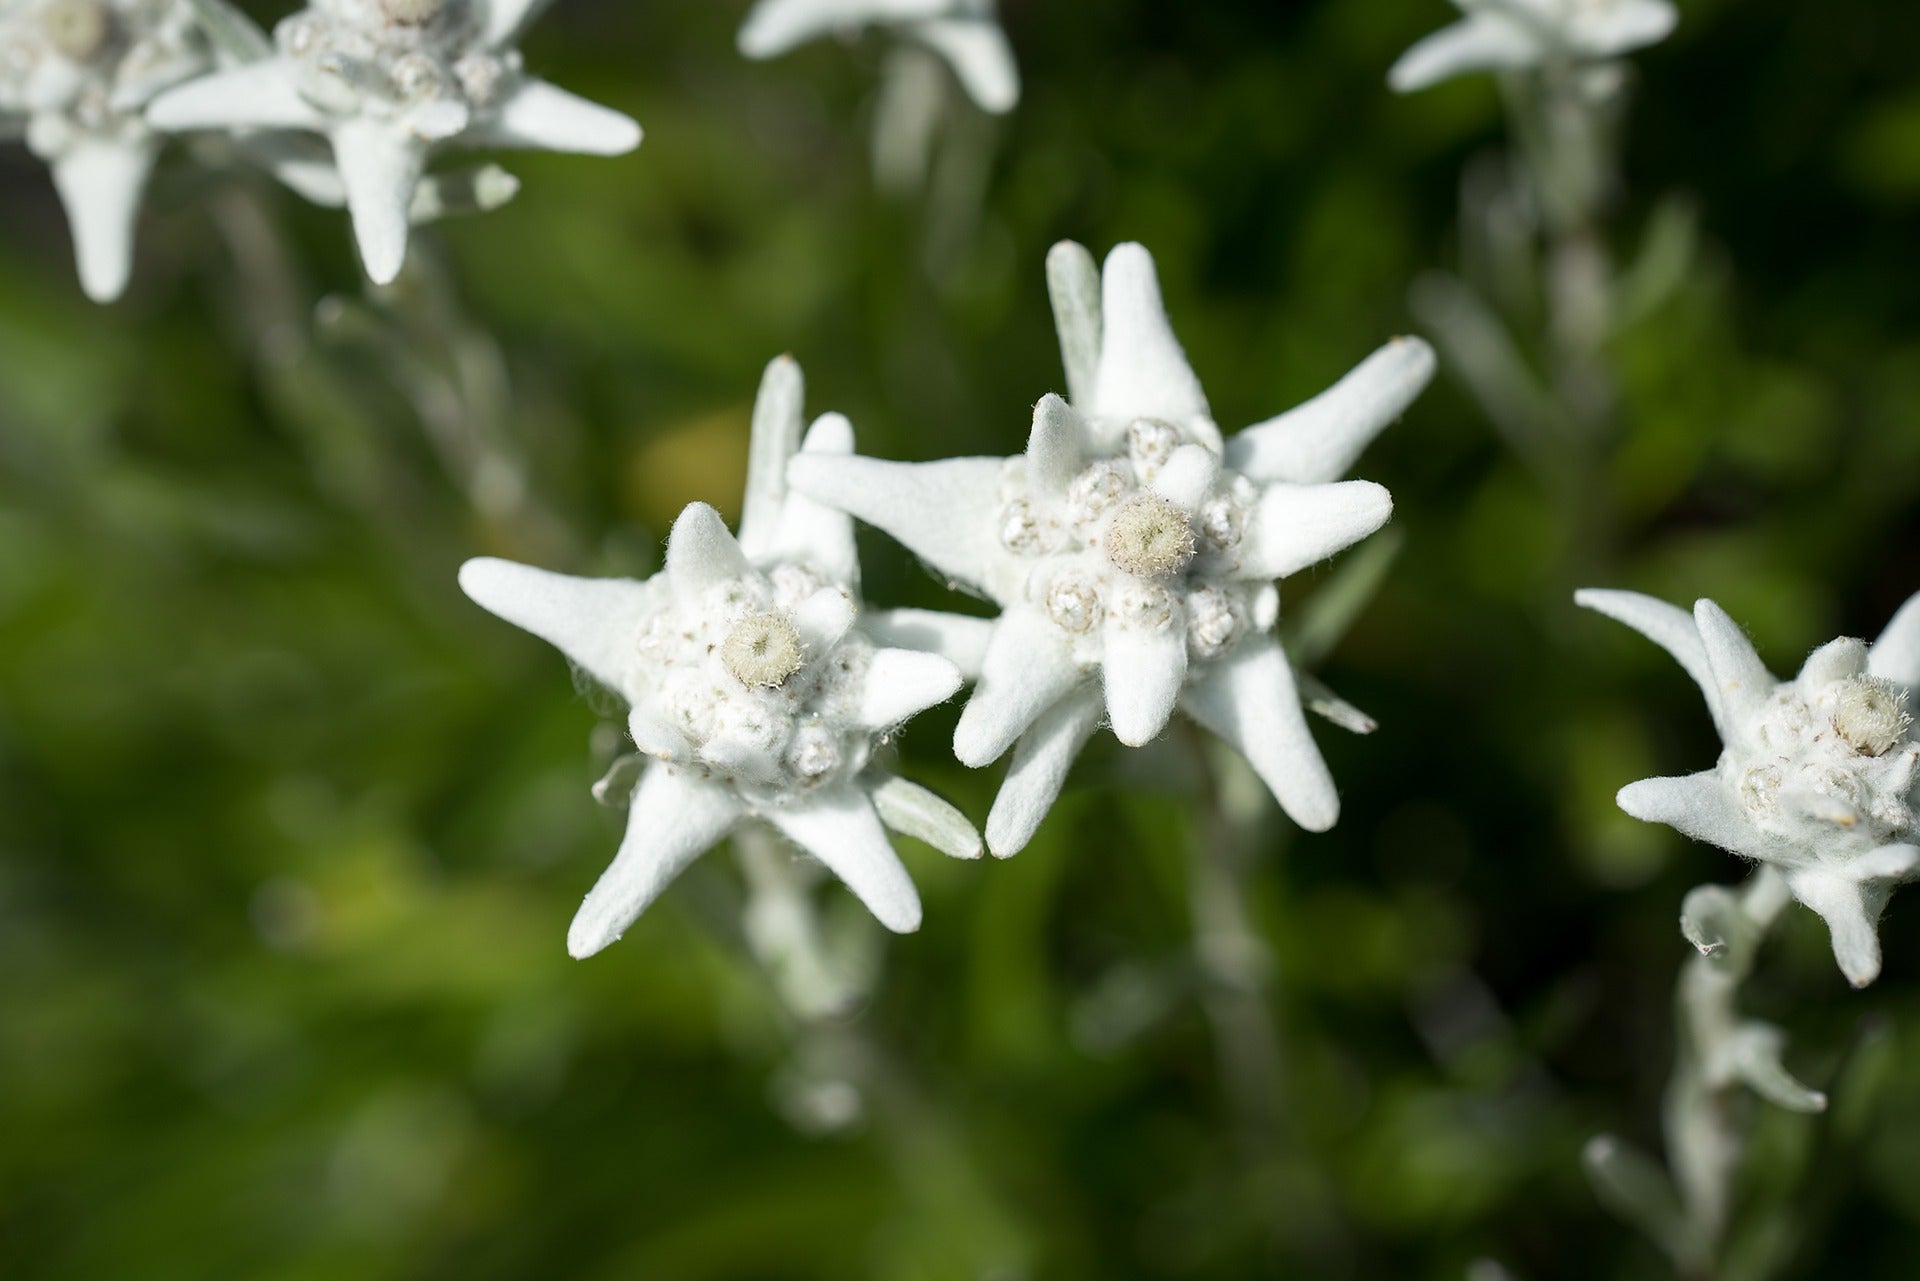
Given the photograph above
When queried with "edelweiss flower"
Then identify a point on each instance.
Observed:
(1819, 776)
(964, 32)
(388, 82)
(74, 77)
(1510, 35)
(752, 687)
(1133, 552)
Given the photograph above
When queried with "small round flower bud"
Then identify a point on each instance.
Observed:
(1151, 442)
(1871, 715)
(1150, 538)
(412, 13)
(762, 651)
(814, 753)
(1073, 603)
(1094, 491)
(77, 29)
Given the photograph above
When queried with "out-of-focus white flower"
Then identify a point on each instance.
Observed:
(1132, 551)
(1820, 775)
(388, 82)
(74, 78)
(1511, 35)
(966, 33)
(753, 688)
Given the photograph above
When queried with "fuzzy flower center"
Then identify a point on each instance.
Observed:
(1150, 538)
(1871, 715)
(412, 13)
(77, 29)
(762, 651)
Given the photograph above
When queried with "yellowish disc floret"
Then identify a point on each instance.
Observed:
(1871, 715)
(78, 29)
(1150, 538)
(762, 651)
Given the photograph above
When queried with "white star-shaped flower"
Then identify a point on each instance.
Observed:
(1512, 35)
(75, 76)
(966, 33)
(1820, 776)
(754, 686)
(1133, 553)
(389, 82)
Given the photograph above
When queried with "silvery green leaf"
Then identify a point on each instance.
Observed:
(615, 788)
(467, 191)
(914, 811)
(1633, 1187)
(1321, 624)
(1754, 1057)
(231, 31)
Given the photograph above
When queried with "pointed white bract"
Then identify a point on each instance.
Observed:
(1819, 776)
(754, 690)
(389, 83)
(966, 33)
(75, 76)
(1133, 561)
(1514, 35)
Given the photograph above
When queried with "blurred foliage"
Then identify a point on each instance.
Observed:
(290, 832)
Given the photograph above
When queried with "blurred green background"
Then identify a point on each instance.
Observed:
(290, 832)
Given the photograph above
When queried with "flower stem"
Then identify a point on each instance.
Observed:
(1234, 964)
(1704, 1129)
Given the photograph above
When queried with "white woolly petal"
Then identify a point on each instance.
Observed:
(958, 638)
(841, 830)
(1026, 669)
(778, 421)
(1186, 476)
(381, 167)
(1896, 655)
(902, 683)
(1073, 285)
(1698, 805)
(100, 184)
(912, 810)
(1837, 660)
(813, 533)
(1249, 699)
(1041, 760)
(981, 57)
(1484, 42)
(1318, 441)
(506, 19)
(1606, 31)
(1143, 373)
(946, 513)
(1142, 671)
(1058, 446)
(1295, 526)
(1852, 912)
(701, 553)
(822, 619)
(673, 819)
(544, 117)
(1742, 679)
(1669, 627)
(1885, 863)
(593, 621)
(258, 95)
(653, 736)
(775, 26)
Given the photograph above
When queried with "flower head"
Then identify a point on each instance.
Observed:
(388, 83)
(1513, 35)
(1132, 551)
(754, 689)
(964, 32)
(1820, 775)
(75, 76)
